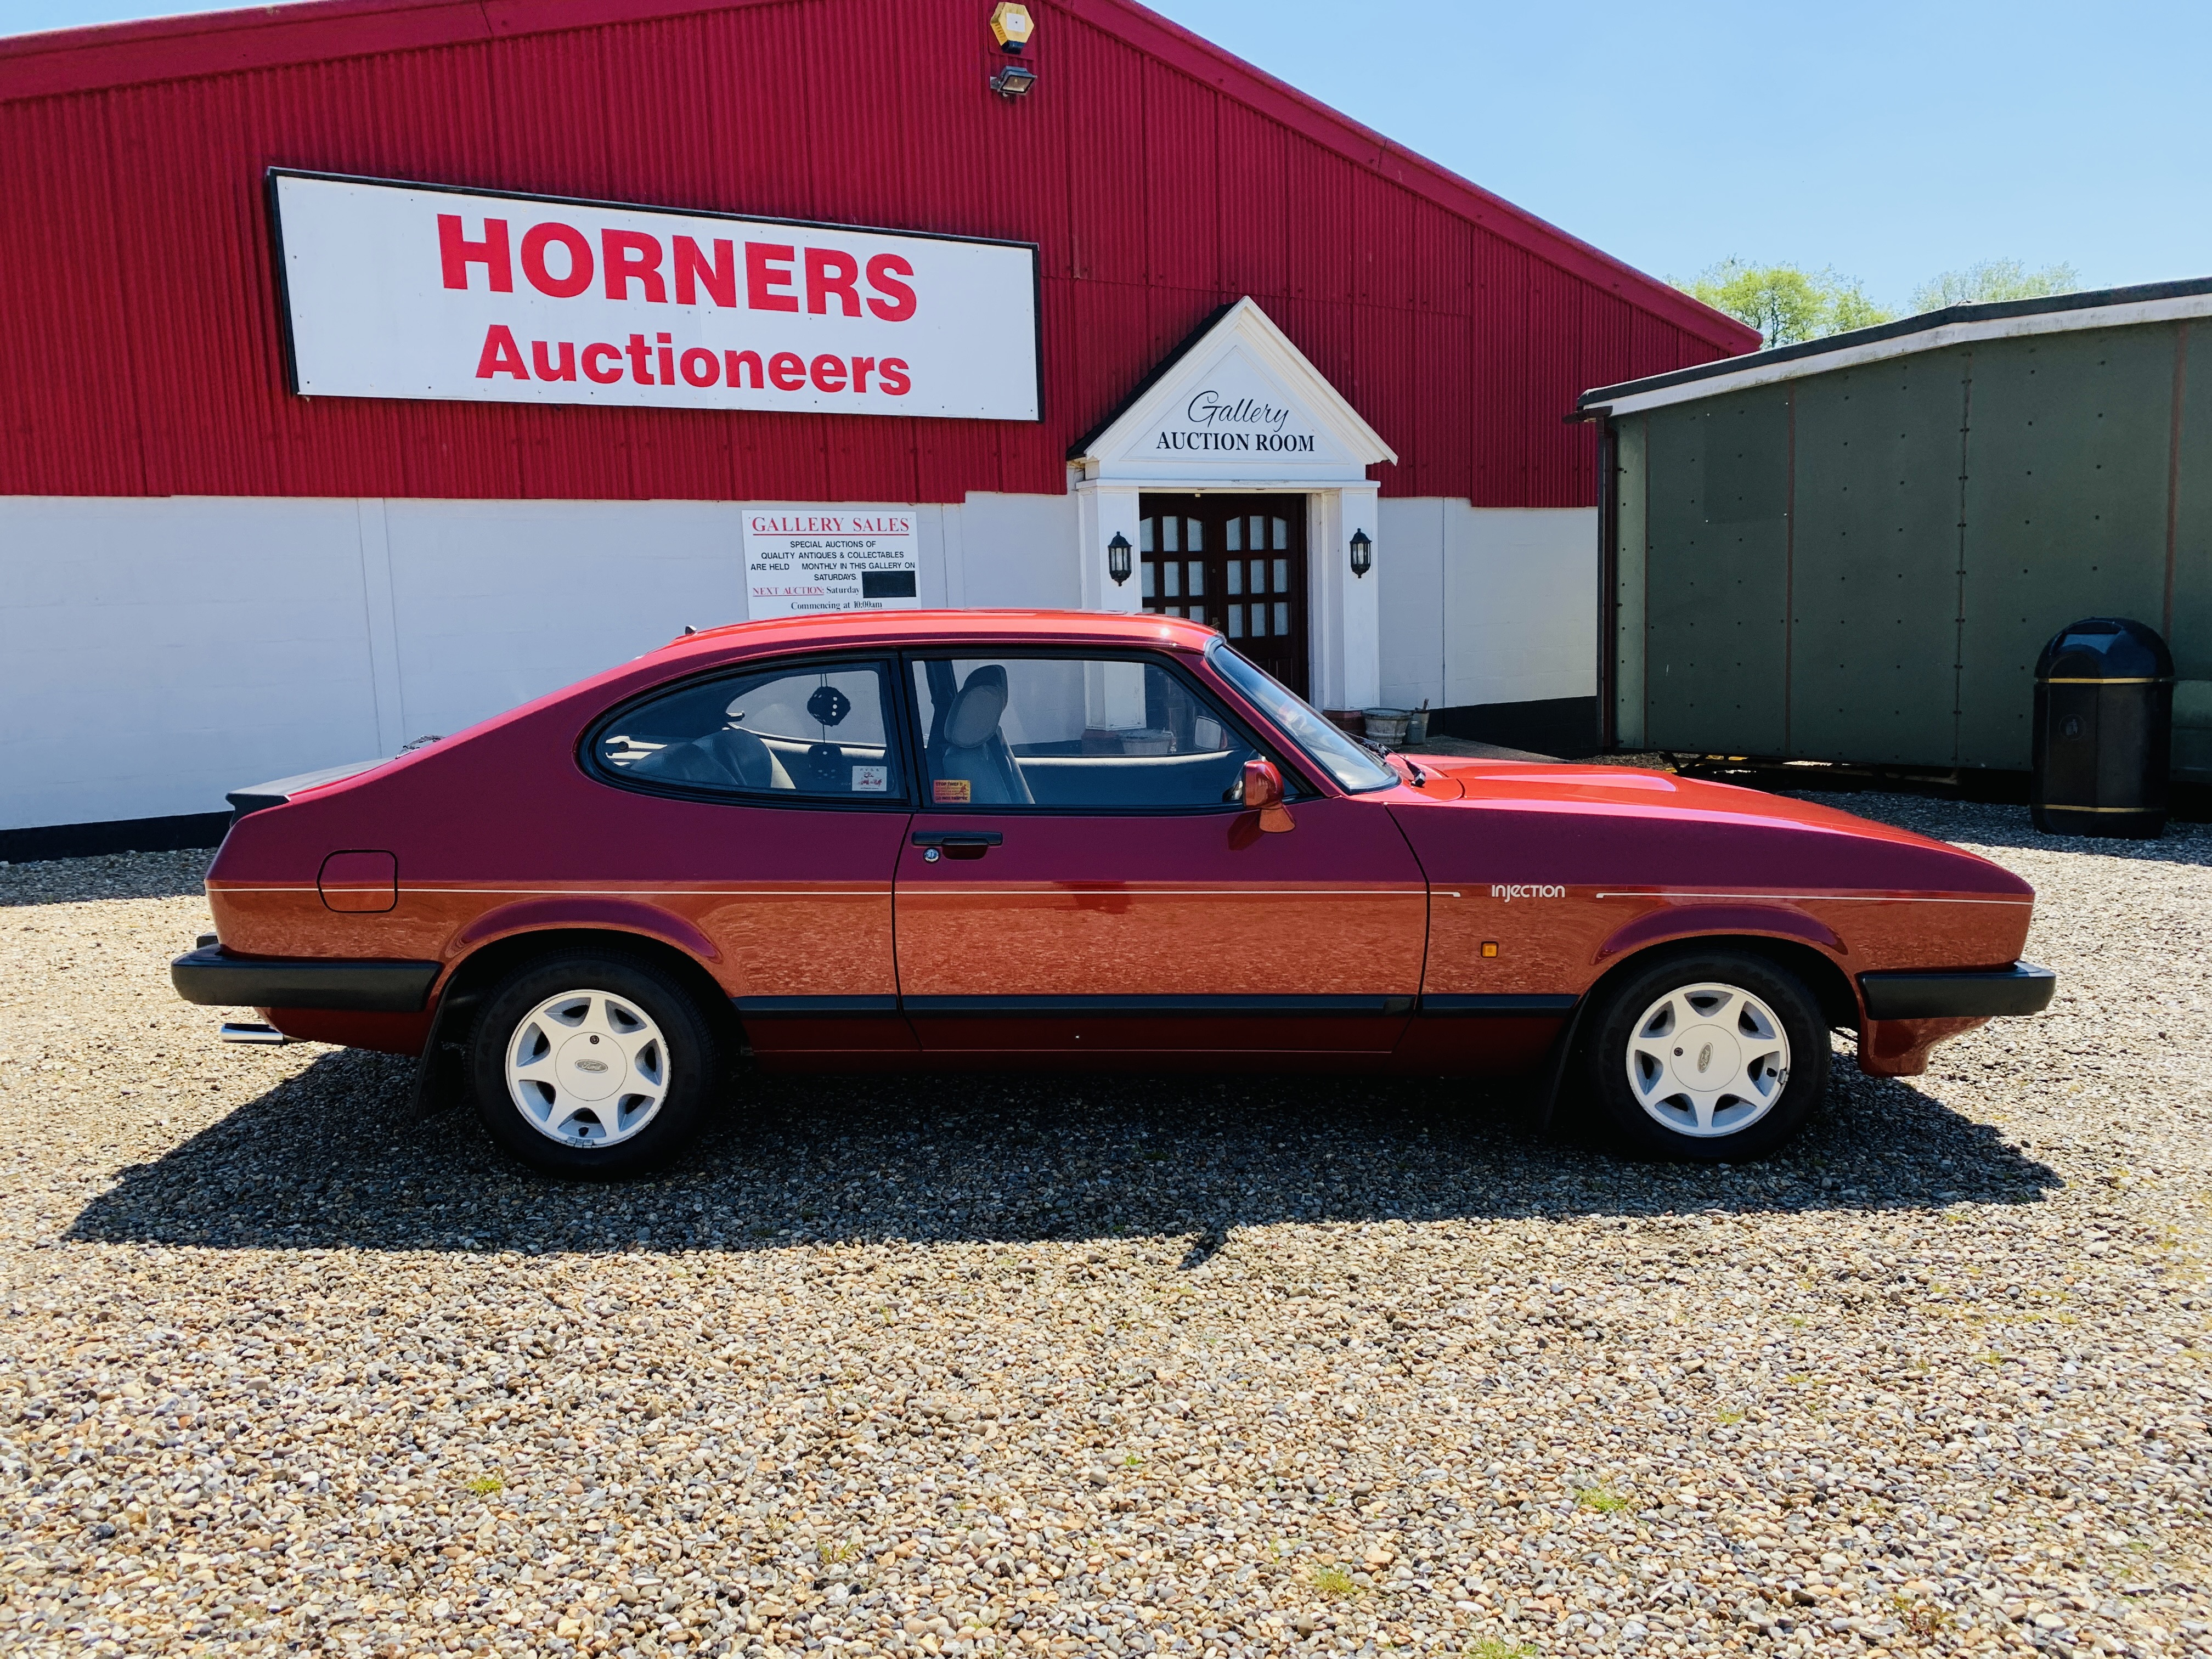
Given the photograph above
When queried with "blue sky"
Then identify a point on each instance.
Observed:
(1891, 141)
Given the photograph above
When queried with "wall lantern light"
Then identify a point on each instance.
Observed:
(1117, 558)
(1362, 553)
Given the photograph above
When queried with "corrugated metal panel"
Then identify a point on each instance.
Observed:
(1439, 459)
(2188, 623)
(1113, 347)
(1182, 181)
(1500, 369)
(1385, 389)
(1255, 203)
(1103, 84)
(1555, 323)
(1874, 558)
(1324, 191)
(70, 396)
(954, 457)
(1716, 623)
(1383, 253)
(759, 133)
(1154, 194)
(2067, 469)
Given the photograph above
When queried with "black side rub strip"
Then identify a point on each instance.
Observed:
(1991, 993)
(1498, 1006)
(813, 1007)
(217, 978)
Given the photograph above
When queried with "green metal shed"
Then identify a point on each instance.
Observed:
(1852, 549)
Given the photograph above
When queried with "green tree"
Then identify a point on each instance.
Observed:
(1993, 279)
(1786, 303)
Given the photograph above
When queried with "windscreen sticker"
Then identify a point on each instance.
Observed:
(871, 779)
(949, 792)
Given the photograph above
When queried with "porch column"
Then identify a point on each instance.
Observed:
(1346, 631)
(1100, 511)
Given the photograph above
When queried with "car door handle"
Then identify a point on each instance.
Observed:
(956, 843)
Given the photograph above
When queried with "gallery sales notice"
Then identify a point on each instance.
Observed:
(414, 291)
(800, 560)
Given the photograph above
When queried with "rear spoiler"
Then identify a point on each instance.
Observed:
(254, 797)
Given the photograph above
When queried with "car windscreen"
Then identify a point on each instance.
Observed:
(1351, 766)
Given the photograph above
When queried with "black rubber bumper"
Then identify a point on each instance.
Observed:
(1990, 993)
(217, 978)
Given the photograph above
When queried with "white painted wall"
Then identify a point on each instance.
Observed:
(1486, 604)
(155, 654)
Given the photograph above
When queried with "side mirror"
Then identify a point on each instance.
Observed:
(1263, 793)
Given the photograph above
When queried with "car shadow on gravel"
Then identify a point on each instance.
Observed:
(330, 1159)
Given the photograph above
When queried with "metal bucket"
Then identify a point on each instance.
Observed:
(1416, 725)
(1387, 724)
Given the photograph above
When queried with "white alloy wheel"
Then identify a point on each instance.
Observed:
(587, 1068)
(1707, 1060)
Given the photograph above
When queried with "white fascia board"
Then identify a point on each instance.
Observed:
(1906, 345)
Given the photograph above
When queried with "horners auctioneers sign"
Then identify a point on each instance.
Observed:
(804, 559)
(417, 291)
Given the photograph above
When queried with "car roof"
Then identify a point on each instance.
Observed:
(886, 627)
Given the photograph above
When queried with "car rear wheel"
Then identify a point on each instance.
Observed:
(1709, 1056)
(592, 1064)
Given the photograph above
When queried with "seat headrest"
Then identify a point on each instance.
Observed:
(973, 716)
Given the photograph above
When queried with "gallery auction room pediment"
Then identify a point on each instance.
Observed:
(409, 361)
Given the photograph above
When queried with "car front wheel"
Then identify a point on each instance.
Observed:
(1709, 1056)
(592, 1064)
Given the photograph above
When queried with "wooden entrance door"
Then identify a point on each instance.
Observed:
(1237, 563)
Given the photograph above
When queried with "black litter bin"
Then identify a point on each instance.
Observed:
(2104, 728)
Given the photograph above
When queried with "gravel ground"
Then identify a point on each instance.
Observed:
(1058, 1366)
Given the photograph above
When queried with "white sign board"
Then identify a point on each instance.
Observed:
(416, 291)
(802, 560)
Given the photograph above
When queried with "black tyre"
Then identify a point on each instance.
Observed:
(1710, 1055)
(593, 1064)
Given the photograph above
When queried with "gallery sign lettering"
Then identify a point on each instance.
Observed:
(398, 290)
(1216, 422)
(807, 559)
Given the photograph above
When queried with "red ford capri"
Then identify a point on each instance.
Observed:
(959, 839)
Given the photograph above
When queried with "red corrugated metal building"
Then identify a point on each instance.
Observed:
(245, 579)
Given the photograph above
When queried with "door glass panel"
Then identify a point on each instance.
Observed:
(822, 732)
(1236, 576)
(1235, 542)
(1282, 576)
(1146, 577)
(1193, 532)
(1282, 534)
(1236, 617)
(1197, 588)
(1172, 529)
(1144, 536)
(1282, 618)
(1076, 732)
(1259, 622)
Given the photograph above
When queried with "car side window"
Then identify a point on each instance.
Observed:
(1068, 732)
(818, 732)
